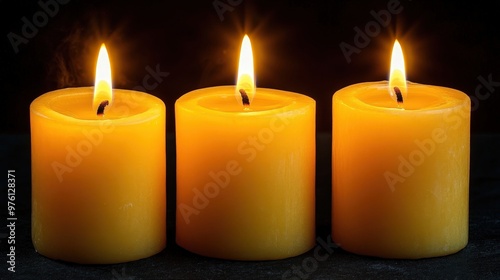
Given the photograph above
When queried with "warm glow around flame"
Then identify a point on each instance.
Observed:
(102, 87)
(397, 76)
(246, 80)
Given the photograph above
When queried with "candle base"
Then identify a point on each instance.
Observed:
(240, 254)
(99, 258)
(388, 252)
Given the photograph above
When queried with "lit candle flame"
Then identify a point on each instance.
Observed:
(103, 94)
(245, 86)
(397, 79)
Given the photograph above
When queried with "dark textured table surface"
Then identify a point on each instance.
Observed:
(479, 260)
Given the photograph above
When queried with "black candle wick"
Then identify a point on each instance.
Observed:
(244, 97)
(399, 96)
(102, 106)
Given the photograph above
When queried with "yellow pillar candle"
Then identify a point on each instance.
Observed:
(245, 174)
(98, 181)
(400, 175)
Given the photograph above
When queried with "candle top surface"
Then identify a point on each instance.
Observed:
(75, 105)
(375, 96)
(223, 99)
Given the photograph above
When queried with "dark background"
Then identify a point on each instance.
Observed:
(296, 47)
(295, 42)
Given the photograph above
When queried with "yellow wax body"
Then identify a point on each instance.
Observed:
(400, 176)
(98, 183)
(245, 178)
